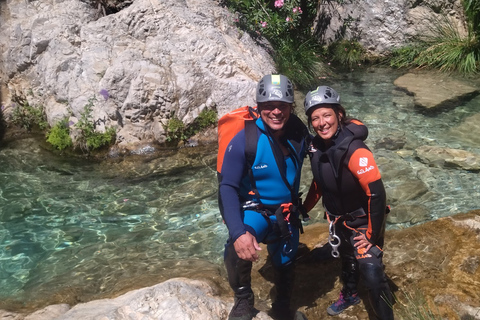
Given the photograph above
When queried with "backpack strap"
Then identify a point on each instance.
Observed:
(251, 140)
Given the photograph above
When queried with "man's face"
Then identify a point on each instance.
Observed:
(275, 114)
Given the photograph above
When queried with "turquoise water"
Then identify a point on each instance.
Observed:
(77, 227)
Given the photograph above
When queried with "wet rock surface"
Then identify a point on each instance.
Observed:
(436, 92)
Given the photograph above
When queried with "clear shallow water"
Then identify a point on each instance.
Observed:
(73, 227)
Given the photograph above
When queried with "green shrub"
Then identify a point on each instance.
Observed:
(89, 139)
(300, 61)
(287, 26)
(347, 53)
(443, 47)
(27, 116)
(59, 135)
(205, 119)
(177, 131)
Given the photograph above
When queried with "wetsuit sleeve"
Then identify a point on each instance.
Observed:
(232, 173)
(314, 194)
(364, 168)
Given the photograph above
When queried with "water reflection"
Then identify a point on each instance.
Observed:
(78, 228)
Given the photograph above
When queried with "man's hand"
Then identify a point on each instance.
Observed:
(246, 247)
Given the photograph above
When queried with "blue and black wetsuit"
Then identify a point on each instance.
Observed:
(270, 168)
(271, 181)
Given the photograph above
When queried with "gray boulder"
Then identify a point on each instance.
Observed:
(382, 25)
(136, 68)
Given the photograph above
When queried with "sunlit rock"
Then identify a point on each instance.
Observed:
(449, 158)
(436, 92)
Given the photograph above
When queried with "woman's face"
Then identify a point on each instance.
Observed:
(275, 114)
(325, 122)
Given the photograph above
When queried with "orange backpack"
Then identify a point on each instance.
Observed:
(229, 125)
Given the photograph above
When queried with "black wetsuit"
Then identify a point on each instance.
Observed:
(348, 179)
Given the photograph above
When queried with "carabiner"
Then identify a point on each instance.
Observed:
(285, 252)
(333, 240)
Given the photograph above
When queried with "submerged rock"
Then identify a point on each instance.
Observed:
(448, 157)
(434, 92)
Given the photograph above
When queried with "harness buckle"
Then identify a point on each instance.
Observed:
(333, 240)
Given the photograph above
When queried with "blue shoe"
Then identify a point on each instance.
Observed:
(343, 303)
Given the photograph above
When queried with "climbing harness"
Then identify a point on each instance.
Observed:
(333, 240)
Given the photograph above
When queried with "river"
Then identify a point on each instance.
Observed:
(77, 227)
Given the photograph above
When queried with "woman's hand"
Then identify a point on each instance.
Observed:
(362, 242)
(246, 247)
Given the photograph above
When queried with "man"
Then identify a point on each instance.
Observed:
(259, 198)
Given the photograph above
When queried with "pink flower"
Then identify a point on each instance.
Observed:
(264, 24)
(297, 9)
(288, 19)
(278, 3)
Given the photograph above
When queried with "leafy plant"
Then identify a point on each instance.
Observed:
(90, 139)
(472, 12)
(444, 47)
(205, 119)
(177, 131)
(26, 116)
(287, 26)
(347, 52)
(300, 61)
(59, 135)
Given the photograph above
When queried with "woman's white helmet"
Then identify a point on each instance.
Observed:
(321, 95)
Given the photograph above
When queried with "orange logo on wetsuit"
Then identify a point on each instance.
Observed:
(362, 253)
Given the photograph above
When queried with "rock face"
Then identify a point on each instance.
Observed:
(435, 266)
(381, 25)
(137, 68)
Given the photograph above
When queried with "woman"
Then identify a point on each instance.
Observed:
(349, 182)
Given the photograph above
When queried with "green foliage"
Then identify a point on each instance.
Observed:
(472, 12)
(442, 47)
(300, 61)
(26, 116)
(59, 135)
(177, 131)
(90, 139)
(205, 119)
(347, 52)
(404, 56)
(287, 26)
